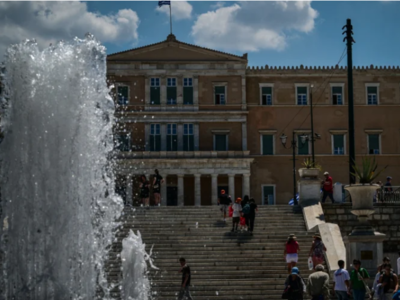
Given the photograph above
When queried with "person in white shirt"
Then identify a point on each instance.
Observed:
(374, 291)
(341, 282)
(237, 211)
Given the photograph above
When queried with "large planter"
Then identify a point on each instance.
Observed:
(309, 172)
(362, 198)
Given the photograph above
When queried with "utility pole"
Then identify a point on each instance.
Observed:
(352, 151)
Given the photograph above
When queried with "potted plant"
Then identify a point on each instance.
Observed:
(362, 194)
(310, 170)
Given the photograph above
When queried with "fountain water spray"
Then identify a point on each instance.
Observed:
(58, 202)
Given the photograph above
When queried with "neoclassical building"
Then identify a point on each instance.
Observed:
(208, 122)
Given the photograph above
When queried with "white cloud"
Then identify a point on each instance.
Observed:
(180, 10)
(49, 22)
(253, 26)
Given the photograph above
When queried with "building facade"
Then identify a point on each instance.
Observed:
(208, 122)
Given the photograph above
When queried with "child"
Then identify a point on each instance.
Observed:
(237, 210)
(242, 223)
(230, 211)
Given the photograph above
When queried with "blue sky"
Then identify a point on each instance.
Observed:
(275, 34)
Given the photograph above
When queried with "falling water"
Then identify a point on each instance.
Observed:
(58, 201)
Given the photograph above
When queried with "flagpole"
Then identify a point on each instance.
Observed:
(170, 16)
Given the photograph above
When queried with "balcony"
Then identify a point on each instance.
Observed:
(183, 154)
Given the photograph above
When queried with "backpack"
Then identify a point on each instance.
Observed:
(246, 209)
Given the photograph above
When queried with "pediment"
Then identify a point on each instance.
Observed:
(174, 50)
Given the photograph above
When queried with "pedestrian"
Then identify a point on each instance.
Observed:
(185, 285)
(318, 284)
(317, 250)
(389, 281)
(388, 190)
(374, 291)
(291, 251)
(245, 200)
(327, 188)
(246, 209)
(144, 190)
(398, 264)
(294, 285)
(357, 281)
(251, 216)
(237, 211)
(224, 201)
(341, 282)
(157, 181)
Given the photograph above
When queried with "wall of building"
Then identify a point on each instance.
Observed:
(206, 136)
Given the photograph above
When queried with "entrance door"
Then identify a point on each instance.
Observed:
(172, 196)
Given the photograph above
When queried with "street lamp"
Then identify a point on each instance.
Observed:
(294, 145)
(315, 136)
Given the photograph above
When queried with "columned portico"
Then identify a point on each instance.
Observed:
(232, 186)
(164, 191)
(246, 184)
(197, 189)
(181, 192)
(214, 189)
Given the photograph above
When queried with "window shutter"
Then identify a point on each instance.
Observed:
(174, 143)
(373, 142)
(158, 143)
(191, 143)
(268, 146)
(301, 90)
(152, 145)
(171, 94)
(123, 94)
(186, 143)
(338, 141)
(169, 143)
(303, 149)
(267, 90)
(155, 95)
(188, 95)
(372, 90)
(337, 90)
(220, 142)
(220, 90)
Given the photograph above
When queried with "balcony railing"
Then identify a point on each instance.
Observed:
(183, 154)
(383, 195)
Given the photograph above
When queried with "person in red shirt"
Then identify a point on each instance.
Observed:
(290, 253)
(327, 188)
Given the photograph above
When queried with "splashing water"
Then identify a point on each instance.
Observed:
(58, 202)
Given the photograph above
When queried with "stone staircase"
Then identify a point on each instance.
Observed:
(224, 265)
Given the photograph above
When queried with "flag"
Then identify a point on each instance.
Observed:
(161, 3)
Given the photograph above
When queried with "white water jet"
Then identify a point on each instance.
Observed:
(135, 284)
(58, 202)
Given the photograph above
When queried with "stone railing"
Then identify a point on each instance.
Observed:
(383, 195)
(183, 154)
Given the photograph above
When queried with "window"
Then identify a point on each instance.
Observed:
(266, 95)
(219, 94)
(155, 91)
(337, 95)
(122, 94)
(372, 95)
(220, 142)
(188, 91)
(302, 95)
(123, 142)
(155, 137)
(267, 144)
(268, 194)
(338, 144)
(171, 91)
(172, 138)
(374, 144)
(303, 149)
(188, 138)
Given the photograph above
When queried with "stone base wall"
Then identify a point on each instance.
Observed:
(385, 220)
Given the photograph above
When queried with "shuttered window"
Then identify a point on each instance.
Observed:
(172, 138)
(188, 91)
(219, 94)
(220, 142)
(155, 137)
(155, 93)
(123, 94)
(188, 137)
(338, 144)
(123, 142)
(302, 95)
(373, 144)
(303, 149)
(372, 95)
(337, 95)
(267, 144)
(266, 96)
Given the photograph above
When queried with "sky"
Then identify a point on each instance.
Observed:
(282, 33)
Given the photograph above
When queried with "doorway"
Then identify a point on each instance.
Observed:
(172, 196)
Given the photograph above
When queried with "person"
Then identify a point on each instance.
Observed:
(157, 181)
(317, 250)
(251, 216)
(389, 281)
(341, 282)
(318, 284)
(374, 290)
(398, 264)
(388, 190)
(186, 277)
(327, 188)
(245, 200)
(292, 249)
(237, 210)
(294, 284)
(242, 223)
(144, 190)
(357, 280)
(224, 200)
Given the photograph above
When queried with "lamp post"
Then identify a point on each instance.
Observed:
(294, 145)
(314, 136)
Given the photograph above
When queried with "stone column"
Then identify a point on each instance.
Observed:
(232, 186)
(163, 92)
(196, 92)
(147, 136)
(197, 190)
(163, 132)
(164, 191)
(196, 137)
(244, 136)
(179, 131)
(214, 189)
(129, 190)
(246, 184)
(179, 91)
(181, 192)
